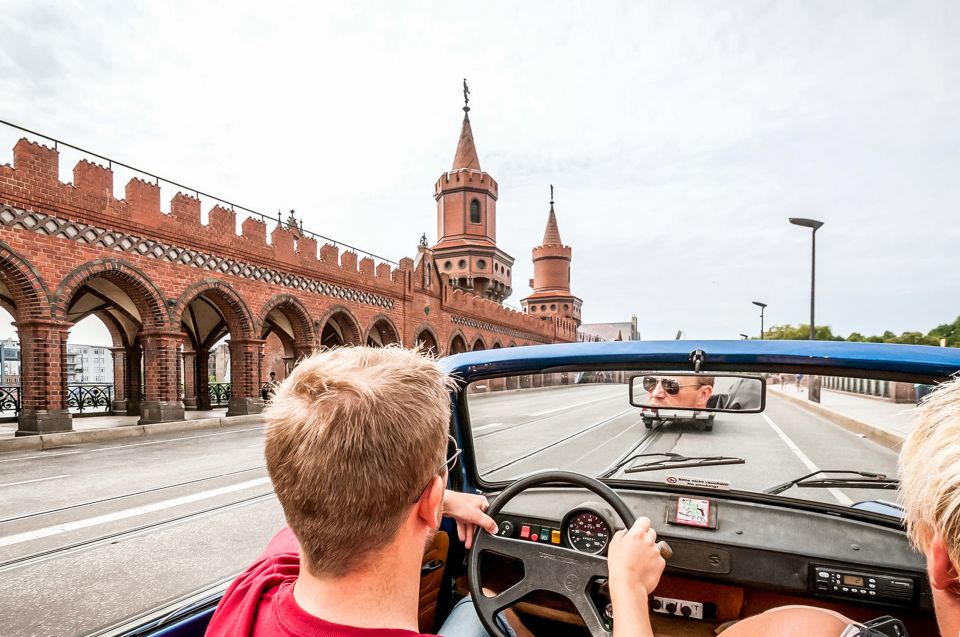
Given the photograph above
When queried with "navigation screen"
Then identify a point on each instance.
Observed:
(851, 580)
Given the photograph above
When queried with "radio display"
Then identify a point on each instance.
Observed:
(852, 580)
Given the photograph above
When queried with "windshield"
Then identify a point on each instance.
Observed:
(585, 422)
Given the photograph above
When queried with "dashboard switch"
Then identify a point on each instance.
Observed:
(525, 531)
(534, 537)
(506, 529)
(555, 536)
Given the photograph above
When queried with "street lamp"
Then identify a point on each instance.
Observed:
(814, 225)
(761, 306)
(744, 336)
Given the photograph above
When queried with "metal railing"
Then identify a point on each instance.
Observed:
(110, 162)
(89, 398)
(10, 399)
(219, 393)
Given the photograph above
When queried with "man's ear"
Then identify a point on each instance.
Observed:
(942, 572)
(704, 393)
(429, 503)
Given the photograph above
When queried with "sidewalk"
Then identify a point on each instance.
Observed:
(104, 428)
(886, 422)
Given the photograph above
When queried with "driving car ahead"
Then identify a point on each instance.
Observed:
(776, 507)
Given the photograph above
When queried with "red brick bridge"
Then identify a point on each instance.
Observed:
(169, 287)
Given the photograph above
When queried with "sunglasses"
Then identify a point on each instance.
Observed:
(670, 385)
(453, 454)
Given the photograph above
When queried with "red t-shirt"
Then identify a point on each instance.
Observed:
(260, 602)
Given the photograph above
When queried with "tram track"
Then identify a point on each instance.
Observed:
(113, 537)
(70, 507)
(554, 443)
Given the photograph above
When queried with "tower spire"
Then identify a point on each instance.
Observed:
(466, 156)
(551, 236)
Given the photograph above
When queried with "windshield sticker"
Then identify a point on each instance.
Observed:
(719, 485)
(693, 512)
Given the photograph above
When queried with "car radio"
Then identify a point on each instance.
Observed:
(873, 587)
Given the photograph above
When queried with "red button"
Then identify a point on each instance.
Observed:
(534, 537)
(525, 531)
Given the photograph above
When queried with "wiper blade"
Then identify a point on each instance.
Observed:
(676, 461)
(861, 480)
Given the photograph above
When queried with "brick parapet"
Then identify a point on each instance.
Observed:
(32, 183)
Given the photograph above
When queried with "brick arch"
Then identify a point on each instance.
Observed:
(512, 344)
(296, 313)
(458, 343)
(116, 330)
(425, 335)
(382, 323)
(235, 312)
(345, 320)
(131, 280)
(478, 341)
(30, 298)
(496, 345)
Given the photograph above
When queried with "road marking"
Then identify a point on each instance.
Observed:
(493, 424)
(136, 444)
(57, 529)
(10, 484)
(557, 410)
(836, 493)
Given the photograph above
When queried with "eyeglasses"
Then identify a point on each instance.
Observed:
(670, 385)
(453, 453)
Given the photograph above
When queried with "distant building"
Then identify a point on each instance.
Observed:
(591, 332)
(89, 364)
(219, 365)
(10, 355)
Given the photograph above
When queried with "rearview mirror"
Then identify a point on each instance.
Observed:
(684, 391)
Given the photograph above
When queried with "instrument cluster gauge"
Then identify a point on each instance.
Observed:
(588, 532)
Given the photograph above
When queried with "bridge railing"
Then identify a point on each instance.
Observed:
(90, 398)
(219, 394)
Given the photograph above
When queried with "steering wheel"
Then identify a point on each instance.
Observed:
(546, 567)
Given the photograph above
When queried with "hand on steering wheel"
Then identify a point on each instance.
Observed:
(546, 567)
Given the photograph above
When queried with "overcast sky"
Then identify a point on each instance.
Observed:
(679, 135)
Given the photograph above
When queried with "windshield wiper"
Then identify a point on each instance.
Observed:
(863, 480)
(670, 461)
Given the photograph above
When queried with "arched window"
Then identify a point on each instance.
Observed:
(475, 211)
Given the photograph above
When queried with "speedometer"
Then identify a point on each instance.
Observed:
(588, 532)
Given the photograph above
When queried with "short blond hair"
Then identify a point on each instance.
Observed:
(929, 469)
(354, 435)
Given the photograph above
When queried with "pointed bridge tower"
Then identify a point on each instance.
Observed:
(551, 276)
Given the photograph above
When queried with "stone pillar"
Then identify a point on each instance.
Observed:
(43, 378)
(245, 377)
(190, 380)
(134, 378)
(119, 404)
(161, 401)
(202, 389)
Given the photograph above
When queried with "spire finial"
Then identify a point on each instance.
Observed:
(466, 96)
(551, 194)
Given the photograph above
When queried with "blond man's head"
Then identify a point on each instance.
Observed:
(353, 436)
(930, 471)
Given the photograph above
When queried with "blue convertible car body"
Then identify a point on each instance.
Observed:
(797, 504)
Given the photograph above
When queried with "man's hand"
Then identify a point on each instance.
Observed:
(634, 561)
(468, 511)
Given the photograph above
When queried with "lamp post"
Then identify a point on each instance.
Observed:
(762, 306)
(814, 225)
(744, 336)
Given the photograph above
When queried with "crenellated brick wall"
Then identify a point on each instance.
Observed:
(150, 265)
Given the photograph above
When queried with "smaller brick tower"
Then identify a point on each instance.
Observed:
(551, 276)
(467, 223)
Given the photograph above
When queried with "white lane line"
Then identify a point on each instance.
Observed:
(57, 529)
(493, 424)
(557, 410)
(10, 484)
(136, 444)
(836, 493)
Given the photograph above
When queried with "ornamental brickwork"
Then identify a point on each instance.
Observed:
(169, 287)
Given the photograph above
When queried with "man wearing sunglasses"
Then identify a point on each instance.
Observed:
(358, 452)
(690, 392)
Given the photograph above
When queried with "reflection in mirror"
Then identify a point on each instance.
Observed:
(699, 392)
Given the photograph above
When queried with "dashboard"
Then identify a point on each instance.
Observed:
(747, 544)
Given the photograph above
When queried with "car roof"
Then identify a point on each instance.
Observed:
(828, 358)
